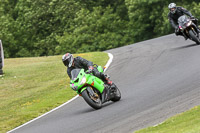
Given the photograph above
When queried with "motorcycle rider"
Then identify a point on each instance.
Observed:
(73, 63)
(175, 13)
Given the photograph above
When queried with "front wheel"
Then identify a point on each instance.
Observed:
(93, 100)
(194, 36)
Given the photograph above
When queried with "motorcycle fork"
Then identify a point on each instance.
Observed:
(94, 95)
(186, 31)
(195, 28)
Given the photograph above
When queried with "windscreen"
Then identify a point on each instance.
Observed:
(74, 73)
(182, 20)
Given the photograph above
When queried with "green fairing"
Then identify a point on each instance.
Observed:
(90, 81)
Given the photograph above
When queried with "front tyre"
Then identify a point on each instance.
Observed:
(194, 36)
(94, 102)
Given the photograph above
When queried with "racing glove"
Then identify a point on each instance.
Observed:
(90, 69)
(192, 17)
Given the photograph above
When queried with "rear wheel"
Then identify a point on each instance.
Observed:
(117, 93)
(92, 99)
(194, 36)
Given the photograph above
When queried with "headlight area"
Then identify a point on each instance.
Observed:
(73, 87)
(189, 23)
(83, 81)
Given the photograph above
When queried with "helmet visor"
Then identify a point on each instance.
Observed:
(173, 10)
(70, 61)
(67, 60)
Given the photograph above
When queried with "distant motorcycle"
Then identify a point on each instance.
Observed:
(188, 28)
(94, 91)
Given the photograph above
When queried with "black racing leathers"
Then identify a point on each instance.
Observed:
(80, 63)
(173, 18)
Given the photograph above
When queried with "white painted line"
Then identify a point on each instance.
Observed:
(158, 124)
(107, 65)
(109, 61)
(44, 114)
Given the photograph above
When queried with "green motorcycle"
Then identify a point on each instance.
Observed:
(94, 91)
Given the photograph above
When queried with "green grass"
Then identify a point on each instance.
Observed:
(32, 86)
(187, 122)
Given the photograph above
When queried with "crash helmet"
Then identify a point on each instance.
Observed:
(67, 59)
(172, 8)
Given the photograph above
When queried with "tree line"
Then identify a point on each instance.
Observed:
(52, 27)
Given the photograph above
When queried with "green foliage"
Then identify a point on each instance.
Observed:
(42, 21)
(50, 27)
(94, 31)
(147, 17)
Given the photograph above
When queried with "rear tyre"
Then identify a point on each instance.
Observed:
(194, 36)
(94, 102)
(117, 93)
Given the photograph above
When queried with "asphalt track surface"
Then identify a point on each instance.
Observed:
(158, 78)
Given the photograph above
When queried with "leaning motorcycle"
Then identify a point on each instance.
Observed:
(94, 91)
(188, 28)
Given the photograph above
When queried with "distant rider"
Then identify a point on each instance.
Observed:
(78, 63)
(175, 13)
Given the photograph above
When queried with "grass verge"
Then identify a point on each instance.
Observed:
(186, 122)
(32, 86)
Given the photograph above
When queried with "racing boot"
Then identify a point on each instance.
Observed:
(185, 37)
(107, 79)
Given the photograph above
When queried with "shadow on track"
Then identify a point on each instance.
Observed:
(184, 47)
(90, 109)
